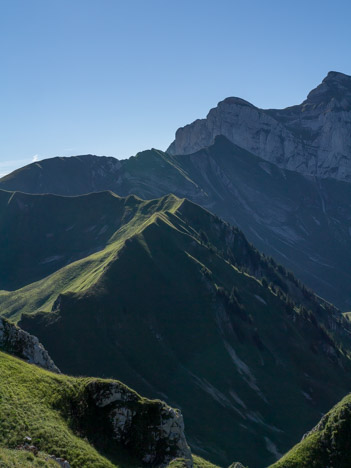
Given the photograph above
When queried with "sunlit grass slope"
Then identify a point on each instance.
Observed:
(36, 403)
(22, 459)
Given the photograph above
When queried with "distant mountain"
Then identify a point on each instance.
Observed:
(303, 222)
(328, 444)
(313, 138)
(177, 304)
(65, 176)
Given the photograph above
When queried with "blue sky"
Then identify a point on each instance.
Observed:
(114, 77)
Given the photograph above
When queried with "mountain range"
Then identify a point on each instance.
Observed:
(303, 222)
(182, 274)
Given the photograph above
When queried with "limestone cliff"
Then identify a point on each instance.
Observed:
(313, 138)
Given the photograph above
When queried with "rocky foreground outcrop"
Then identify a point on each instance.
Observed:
(150, 430)
(16, 341)
(313, 138)
(153, 431)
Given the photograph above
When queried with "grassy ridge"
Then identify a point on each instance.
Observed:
(123, 218)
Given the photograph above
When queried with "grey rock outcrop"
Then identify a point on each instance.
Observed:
(128, 417)
(313, 138)
(16, 341)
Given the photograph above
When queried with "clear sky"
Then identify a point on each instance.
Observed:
(113, 77)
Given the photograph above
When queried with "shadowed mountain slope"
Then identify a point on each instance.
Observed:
(92, 422)
(178, 305)
(82, 174)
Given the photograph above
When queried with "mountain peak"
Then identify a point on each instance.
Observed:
(335, 85)
(337, 77)
(235, 101)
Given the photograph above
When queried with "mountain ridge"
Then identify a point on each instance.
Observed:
(302, 221)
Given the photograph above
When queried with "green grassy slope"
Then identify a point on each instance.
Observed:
(22, 459)
(179, 306)
(35, 402)
(302, 222)
(52, 409)
(328, 444)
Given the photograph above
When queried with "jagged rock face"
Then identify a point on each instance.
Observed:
(20, 343)
(312, 138)
(155, 432)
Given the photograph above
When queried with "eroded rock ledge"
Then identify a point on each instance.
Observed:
(16, 341)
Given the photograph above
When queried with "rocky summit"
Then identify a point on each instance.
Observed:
(312, 138)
